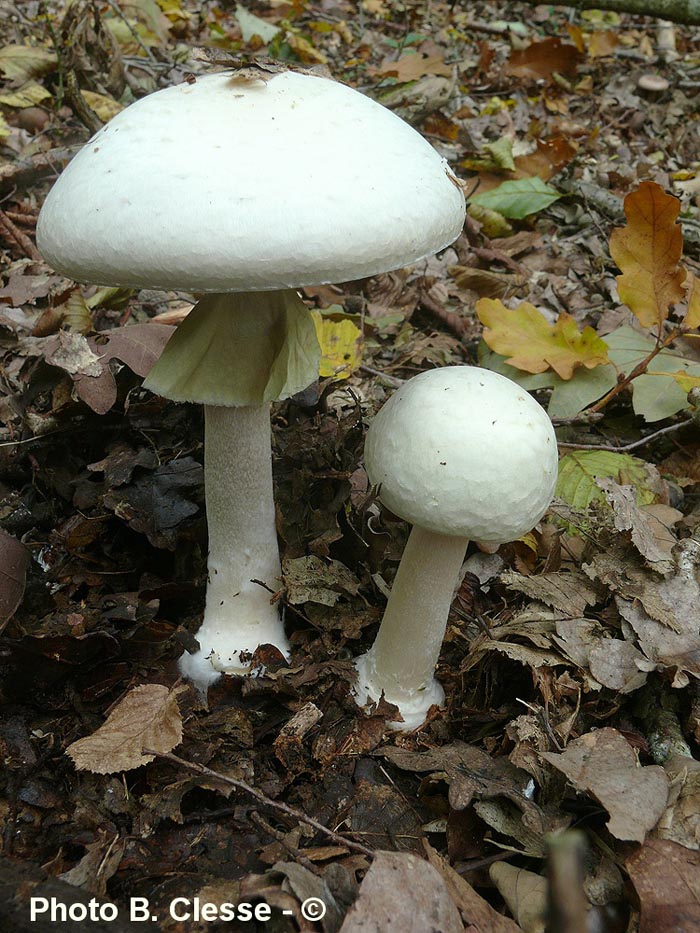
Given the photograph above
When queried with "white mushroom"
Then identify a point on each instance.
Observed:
(246, 190)
(462, 453)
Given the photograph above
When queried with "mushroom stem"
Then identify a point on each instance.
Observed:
(401, 662)
(242, 544)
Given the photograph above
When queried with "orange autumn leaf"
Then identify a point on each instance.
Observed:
(534, 345)
(647, 251)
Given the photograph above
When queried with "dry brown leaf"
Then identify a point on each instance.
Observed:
(649, 526)
(648, 251)
(602, 43)
(98, 865)
(524, 892)
(677, 647)
(414, 65)
(14, 564)
(681, 821)
(147, 717)
(477, 913)
(569, 592)
(667, 880)
(603, 764)
(542, 59)
(403, 892)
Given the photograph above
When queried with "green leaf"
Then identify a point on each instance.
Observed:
(655, 395)
(517, 199)
(579, 470)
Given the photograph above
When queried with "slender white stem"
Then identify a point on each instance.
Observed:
(242, 544)
(401, 662)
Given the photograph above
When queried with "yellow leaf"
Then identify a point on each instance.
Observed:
(341, 345)
(105, 107)
(692, 315)
(685, 381)
(534, 345)
(647, 251)
(22, 62)
(4, 129)
(29, 95)
(304, 50)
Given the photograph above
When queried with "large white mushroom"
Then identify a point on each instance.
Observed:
(462, 453)
(246, 189)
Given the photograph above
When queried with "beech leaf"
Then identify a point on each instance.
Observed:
(647, 251)
(532, 344)
(14, 564)
(147, 717)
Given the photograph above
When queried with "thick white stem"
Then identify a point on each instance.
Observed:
(401, 662)
(242, 544)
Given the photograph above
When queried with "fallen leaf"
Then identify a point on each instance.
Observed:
(603, 764)
(681, 821)
(524, 892)
(542, 59)
(477, 914)
(29, 95)
(312, 580)
(602, 43)
(402, 891)
(22, 62)
(340, 340)
(647, 251)
(105, 107)
(667, 880)
(98, 865)
(414, 65)
(147, 717)
(692, 314)
(517, 199)
(649, 527)
(581, 470)
(14, 564)
(569, 592)
(678, 647)
(533, 344)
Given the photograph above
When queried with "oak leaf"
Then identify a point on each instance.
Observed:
(534, 345)
(147, 717)
(647, 251)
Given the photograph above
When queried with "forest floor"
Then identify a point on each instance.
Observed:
(572, 656)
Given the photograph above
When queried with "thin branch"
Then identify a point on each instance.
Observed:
(263, 799)
(19, 238)
(634, 444)
(686, 12)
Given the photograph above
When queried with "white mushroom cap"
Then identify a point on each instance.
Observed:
(231, 185)
(466, 452)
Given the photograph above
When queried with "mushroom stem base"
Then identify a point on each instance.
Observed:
(244, 565)
(401, 662)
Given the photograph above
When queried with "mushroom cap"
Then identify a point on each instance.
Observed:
(466, 452)
(231, 185)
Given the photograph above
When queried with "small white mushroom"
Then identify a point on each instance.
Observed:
(462, 453)
(246, 190)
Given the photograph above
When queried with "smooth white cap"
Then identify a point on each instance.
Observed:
(466, 452)
(230, 185)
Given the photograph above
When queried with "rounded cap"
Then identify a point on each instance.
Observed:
(232, 185)
(466, 452)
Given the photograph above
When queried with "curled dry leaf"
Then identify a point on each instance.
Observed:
(147, 717)
(14, 564)
(603, 764)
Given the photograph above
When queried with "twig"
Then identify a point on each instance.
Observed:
(634, 444)
(284, 842)
(129, 25)
(638, 370)
(392, 380)
(19, 173)
(452, 321)
(263, 799)
(21, 239)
